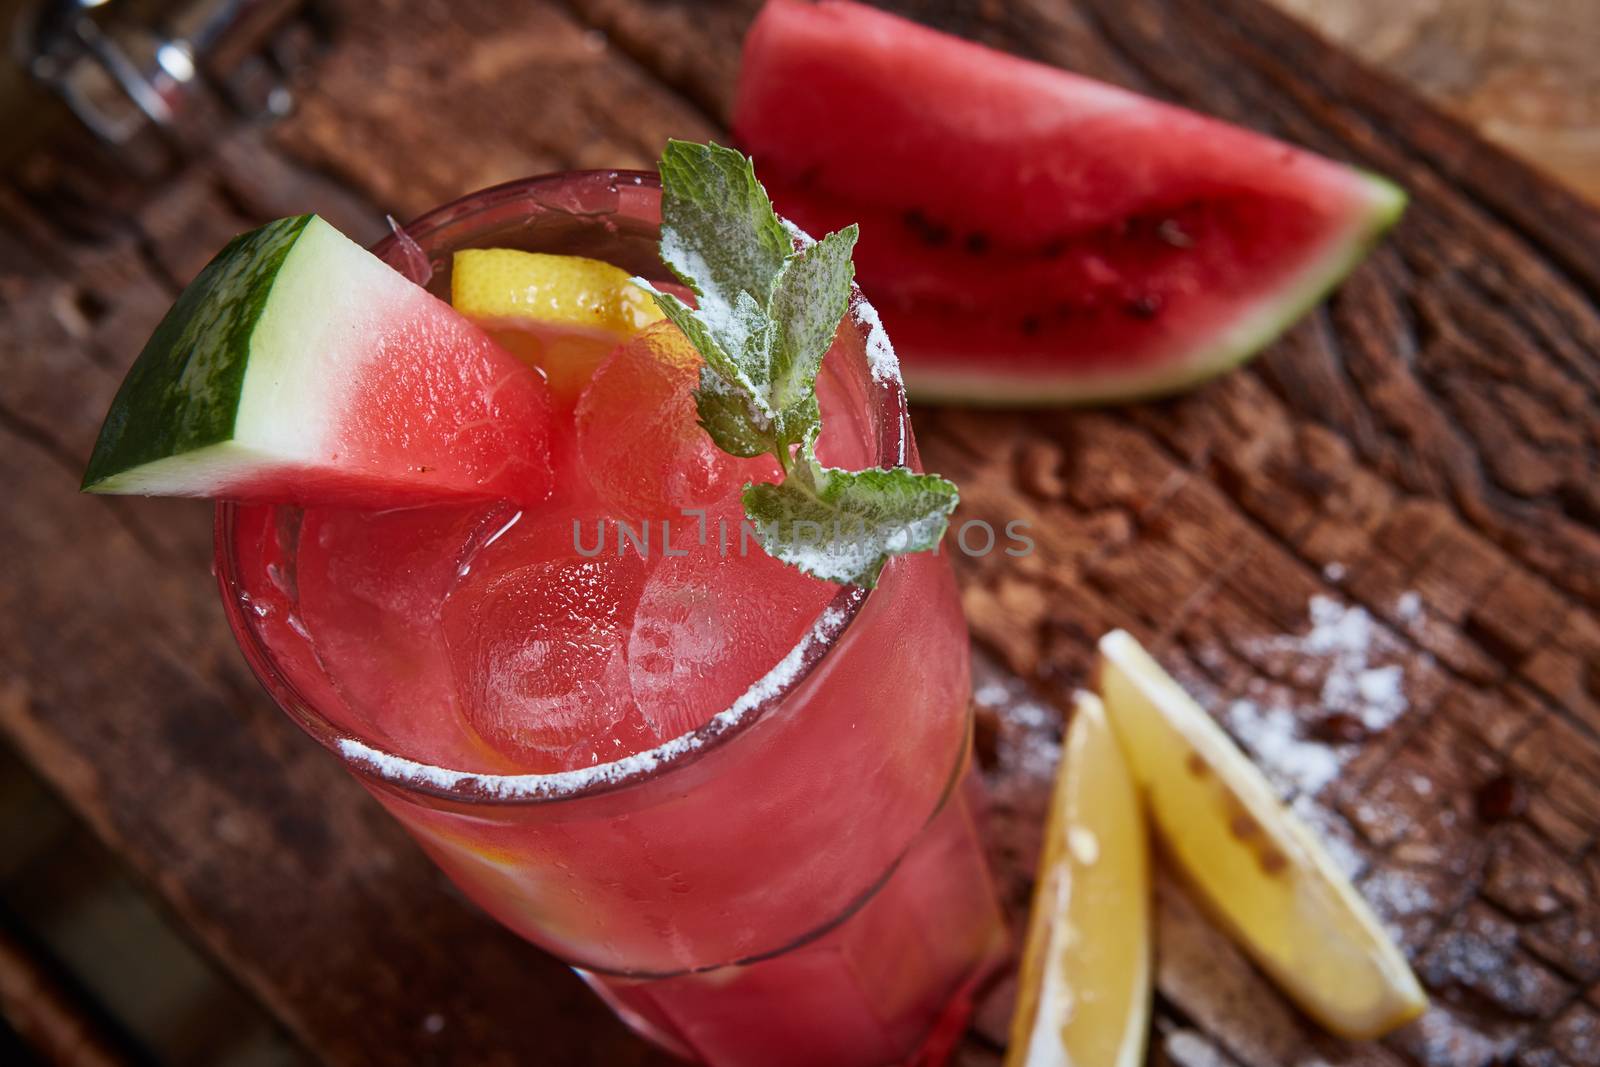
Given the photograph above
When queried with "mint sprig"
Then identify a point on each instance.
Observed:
(842, 525)
(767, 313)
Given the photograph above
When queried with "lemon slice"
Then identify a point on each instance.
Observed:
(1084, 998)
(1262, 872)
(563, 314)
(572, 291)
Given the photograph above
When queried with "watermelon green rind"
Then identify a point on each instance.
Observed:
(1255, 329)
(300, 368)
(181, 397)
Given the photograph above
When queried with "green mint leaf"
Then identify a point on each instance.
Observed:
(748, 334)
(770, 301)
(809, 297)
(767, 313)
(719, 234)
(725, 414)
(699, 334)
(796, 422)
(843, 526)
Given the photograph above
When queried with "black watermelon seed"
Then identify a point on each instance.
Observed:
(977, 243)
(1145, 307)
(1173, 234)
(1030, 325)
(926, 230)
(1054, 248)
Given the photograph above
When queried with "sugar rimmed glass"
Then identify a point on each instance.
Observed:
(798, 881)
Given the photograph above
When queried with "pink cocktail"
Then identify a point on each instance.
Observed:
(728, 794)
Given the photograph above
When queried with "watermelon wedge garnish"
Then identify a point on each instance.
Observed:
(1029, 235)
(298, 368)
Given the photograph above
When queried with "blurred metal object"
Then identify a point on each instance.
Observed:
(92, 72)
(139, 74)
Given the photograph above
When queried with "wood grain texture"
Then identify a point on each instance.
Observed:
(1522, 74)
(39, 1010)
(1419, 454)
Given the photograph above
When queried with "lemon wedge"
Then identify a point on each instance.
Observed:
(564, 314)
(1084, 997)
(1262, 872)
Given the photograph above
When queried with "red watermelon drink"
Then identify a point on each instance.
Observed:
(727, 792)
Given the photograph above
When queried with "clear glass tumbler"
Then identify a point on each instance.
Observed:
(800, 881)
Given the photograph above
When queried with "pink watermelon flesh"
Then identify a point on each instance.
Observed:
(439, 409)
(1031, 235)
(300, 368)
(435, 412)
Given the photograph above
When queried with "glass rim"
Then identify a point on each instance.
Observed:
(371, 760)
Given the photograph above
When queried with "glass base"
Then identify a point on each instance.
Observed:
(891, 985)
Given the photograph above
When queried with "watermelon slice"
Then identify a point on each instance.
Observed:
(1033, 236)
(299, 368)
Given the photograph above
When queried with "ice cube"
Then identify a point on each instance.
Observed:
(639, 437)
(632, 733)
(536, 635)
(711, 623)
(371, 585)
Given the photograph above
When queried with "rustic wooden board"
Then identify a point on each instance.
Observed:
(1421, 453)
(1522, 74)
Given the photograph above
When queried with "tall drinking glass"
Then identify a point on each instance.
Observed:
(800, 880)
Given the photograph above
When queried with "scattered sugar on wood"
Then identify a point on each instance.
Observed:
(1579, 1032)
(1409, 606)
(1335, 834)
(1272, 734)
(1029, 739)
(1022, 738)
(1343, 635)
(1396, 895)
(1341, 644)
(1442, 1039)
(1480, 952)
